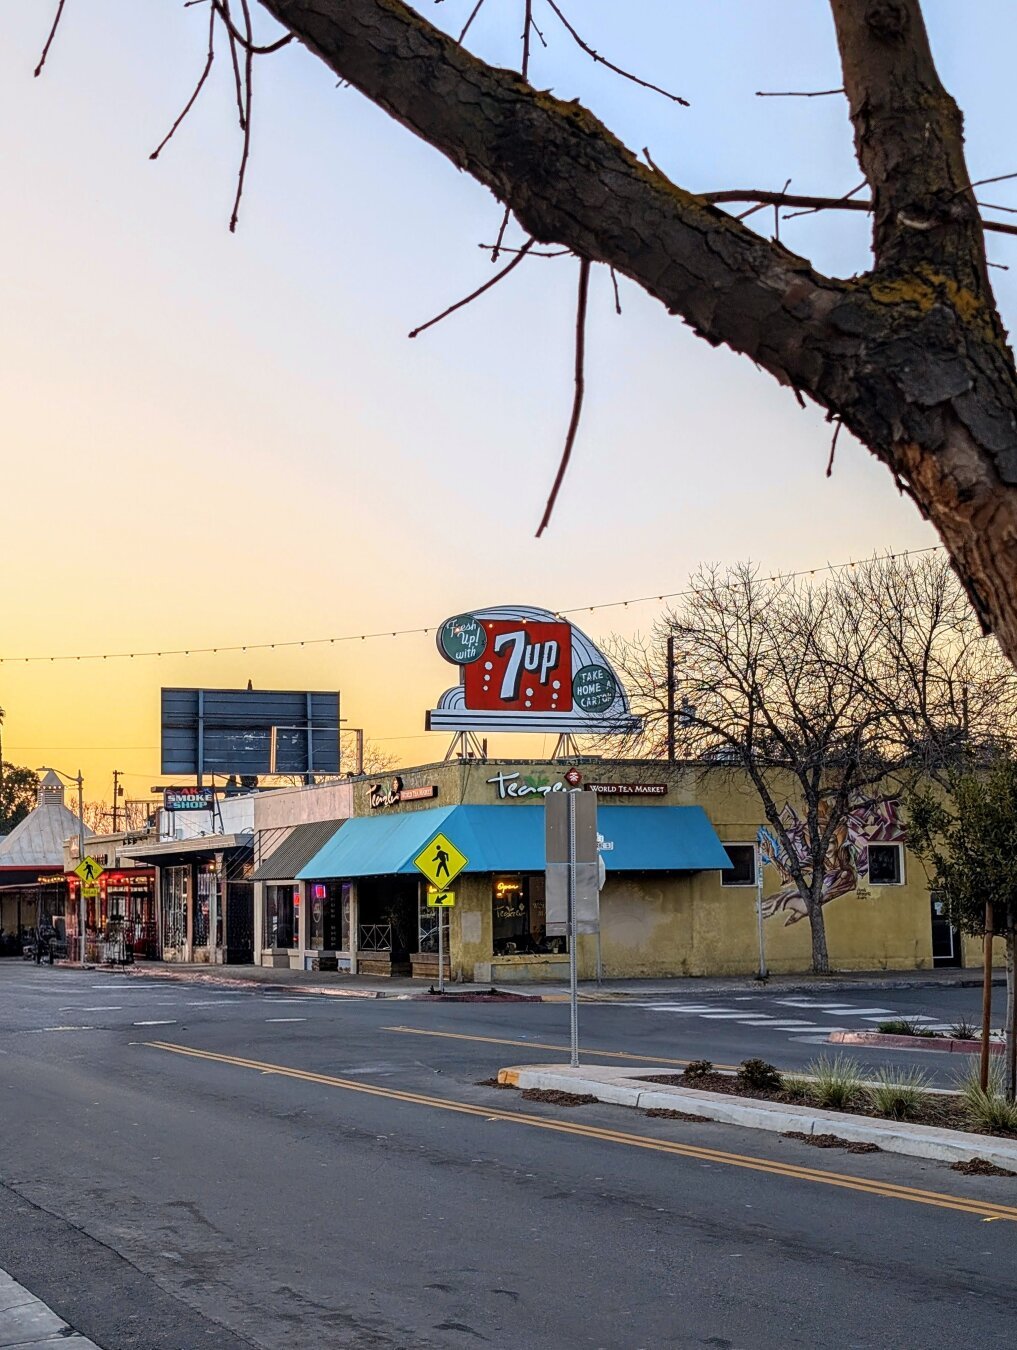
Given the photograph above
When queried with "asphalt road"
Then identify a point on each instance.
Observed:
(185, 1166)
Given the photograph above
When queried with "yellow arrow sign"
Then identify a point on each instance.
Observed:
(440, 899)
(89, 870)
(441, 862)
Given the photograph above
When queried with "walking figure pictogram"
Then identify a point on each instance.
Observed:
(441, 858)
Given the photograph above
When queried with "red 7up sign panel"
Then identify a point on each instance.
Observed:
(525, 667)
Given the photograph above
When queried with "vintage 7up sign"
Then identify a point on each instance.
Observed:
(523, 669)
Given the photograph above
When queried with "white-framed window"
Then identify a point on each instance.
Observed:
(886, 864)
(742, 871)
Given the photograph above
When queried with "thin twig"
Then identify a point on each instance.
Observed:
(248, 42)
(833, 447)
(580, 389)
(534, 253)
(649, 160)
(764, 198)
(49, 40)
(627, 75)
(197, 88)
(501, 234)
(797, 93)
(617, 297)
(238, 79)
(477, 293)
(527, 20)
(811, 210)
(466, 26)
(248, 91)
(993, 206)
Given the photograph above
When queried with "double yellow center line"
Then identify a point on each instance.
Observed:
(888, 1190)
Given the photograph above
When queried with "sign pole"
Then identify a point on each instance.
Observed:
(762, 975)
(81, 858)
(573, 940)
(441, 949)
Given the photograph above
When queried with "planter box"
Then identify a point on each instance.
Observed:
(425, 966)
(381, 963)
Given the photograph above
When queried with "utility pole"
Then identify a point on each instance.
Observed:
(81, 858)
(116, 794)
(670, 698)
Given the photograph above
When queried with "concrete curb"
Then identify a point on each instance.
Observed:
(619, 1088)
(944, 1044)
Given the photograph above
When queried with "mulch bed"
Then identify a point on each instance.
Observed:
(554, 1098)
(980, 1167)
(831, 1141)
(946, 1113)
(493, 1082)
(665, 1113)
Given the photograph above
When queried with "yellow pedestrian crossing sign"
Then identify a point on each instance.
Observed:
(441, 862)
(440, 899)
(89, 870)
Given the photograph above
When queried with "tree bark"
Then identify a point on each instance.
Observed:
(817, 923)
(911, 357)
(1011, 1026)
(983, 1067)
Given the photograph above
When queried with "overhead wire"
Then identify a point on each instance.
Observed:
(225, 648)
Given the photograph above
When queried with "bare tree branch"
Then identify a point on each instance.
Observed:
(580, 389)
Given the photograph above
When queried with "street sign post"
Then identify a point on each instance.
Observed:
(572, 884)
(440, 862)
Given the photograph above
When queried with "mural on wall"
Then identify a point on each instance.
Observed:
(870, 820)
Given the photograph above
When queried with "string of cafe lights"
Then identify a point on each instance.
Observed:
(222, 648)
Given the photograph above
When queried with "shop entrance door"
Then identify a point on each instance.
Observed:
(946, 943)
(239, 949)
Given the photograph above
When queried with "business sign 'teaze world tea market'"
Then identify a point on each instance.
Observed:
(524, 669)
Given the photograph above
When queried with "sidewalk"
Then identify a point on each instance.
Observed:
(341, 985)
(26, 1321)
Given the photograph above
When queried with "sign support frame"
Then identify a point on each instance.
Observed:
(573, 937)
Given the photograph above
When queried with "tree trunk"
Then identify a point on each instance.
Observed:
(912, 357)
(1011, 1030)
(820, 956)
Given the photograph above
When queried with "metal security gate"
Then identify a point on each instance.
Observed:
(239, 948)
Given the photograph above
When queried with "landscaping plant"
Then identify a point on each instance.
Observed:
(988, 1108)
(837, 1081)
(698, 1068)
(899, 1094)
(755, 1075)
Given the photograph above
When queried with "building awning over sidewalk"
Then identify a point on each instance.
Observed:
(174, 852)
(511, 839)
(295, 851)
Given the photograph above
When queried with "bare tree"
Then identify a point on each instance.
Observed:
(946, 693)
(831, 698)
(911, 356)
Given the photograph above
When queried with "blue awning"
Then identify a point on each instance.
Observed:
(511, 839)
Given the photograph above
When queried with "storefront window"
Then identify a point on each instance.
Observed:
(208, 886)
(428, 918)
(520, 917)
(175, 885)
(282, 915)
(330, 915)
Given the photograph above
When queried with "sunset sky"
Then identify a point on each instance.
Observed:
(228, 439)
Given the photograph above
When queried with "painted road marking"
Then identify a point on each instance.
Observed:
(888, 1190)
(285, 1019)
(170, 1023)
(34, 1031)
(105, 1007)
(545, 1045)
